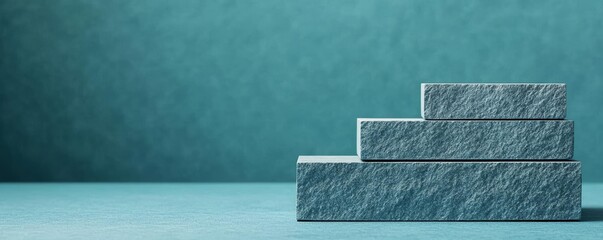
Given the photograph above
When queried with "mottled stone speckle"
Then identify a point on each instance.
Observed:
(345, 188)
(493, 101)
(416, 139)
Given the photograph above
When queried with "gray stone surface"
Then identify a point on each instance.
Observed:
(493, 101)
(417, 139)
(345, 188)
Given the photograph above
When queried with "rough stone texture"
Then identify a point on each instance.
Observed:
(345, 188)
(417, 139)
(493, 101)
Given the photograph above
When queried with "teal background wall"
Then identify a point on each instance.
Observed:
(218, 90)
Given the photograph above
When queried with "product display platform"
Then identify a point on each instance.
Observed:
(232, 211)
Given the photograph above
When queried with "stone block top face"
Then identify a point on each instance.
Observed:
(417, 139)
(493, 101)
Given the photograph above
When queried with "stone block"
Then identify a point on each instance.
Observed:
(344, 188)
(493, 101)
(417, 139)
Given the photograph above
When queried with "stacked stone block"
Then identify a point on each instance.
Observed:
(481, 152)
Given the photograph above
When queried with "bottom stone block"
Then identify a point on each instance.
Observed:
(343, 188)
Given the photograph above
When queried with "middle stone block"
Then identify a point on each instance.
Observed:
(418, 139)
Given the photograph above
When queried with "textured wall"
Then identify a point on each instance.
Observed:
(234, 90)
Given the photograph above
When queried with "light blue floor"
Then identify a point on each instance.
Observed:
(233, 211)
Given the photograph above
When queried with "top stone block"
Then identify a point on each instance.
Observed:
(493, 101)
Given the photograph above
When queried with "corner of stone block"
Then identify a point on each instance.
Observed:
(358, 124)
(423, 100)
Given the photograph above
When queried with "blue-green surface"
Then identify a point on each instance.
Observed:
(233, 211)
(235, 90)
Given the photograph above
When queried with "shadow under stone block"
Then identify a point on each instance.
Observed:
(493, 101)
(344, 188)
(417, 139)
